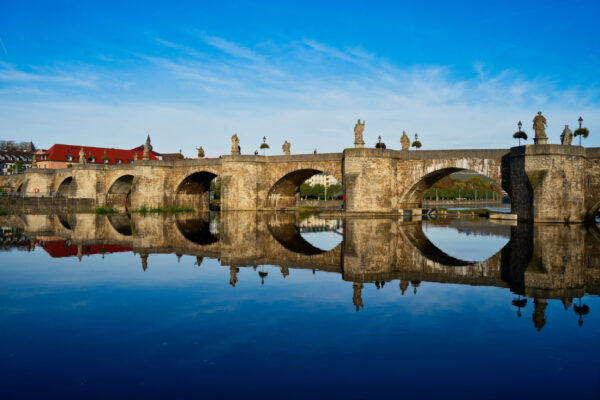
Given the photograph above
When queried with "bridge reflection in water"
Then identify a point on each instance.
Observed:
(539, 262)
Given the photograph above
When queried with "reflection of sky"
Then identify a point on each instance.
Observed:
(323, 240)
(464, 246)
(104, 326)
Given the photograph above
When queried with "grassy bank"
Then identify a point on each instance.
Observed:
(105, 210)
(160, 210)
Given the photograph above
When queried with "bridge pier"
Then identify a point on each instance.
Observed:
(548, 183)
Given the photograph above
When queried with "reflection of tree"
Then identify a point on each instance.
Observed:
(519, 303)
(539, 313)
(262, 275)
(233, 275)
(198, 261)
(356, 297)
(415, 285)
(581, 310)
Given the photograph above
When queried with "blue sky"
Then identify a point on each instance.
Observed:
(191, 73)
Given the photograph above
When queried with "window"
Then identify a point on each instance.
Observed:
(119, 161)
(69, 157)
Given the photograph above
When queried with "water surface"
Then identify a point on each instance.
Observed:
(283, 306)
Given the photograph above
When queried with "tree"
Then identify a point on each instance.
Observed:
(581, 132)
(264, 146)
(18, 168)
(416, 144)
(520, 135)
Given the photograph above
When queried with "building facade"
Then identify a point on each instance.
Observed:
(322, 179)
(61, 155)
(14, 162)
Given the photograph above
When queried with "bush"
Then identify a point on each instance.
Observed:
(3, 211)
(581, 132)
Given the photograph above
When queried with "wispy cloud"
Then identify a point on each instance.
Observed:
(305, 91)
(45, 75)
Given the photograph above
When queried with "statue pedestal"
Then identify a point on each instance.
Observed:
(541, 140)
(359, 145)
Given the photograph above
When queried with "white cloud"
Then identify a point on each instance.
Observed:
(297, 92)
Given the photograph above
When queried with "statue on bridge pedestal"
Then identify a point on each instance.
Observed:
(200, 152)
(539, 126)
(235, 144)
(82, 159)
(566, 137)
(359, 143)
(286, 148)
(405, 141)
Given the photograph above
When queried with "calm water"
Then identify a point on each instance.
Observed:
(284, 306)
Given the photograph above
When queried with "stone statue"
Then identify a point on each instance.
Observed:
(359, 143)
(405, 141)
(146, 153)
(539, 126)
(235, 144)
(200, 152)
(33, 161)
(286, 148)
(82, 159)
(566, 137)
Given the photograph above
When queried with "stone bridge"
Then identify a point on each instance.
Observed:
(547, 183)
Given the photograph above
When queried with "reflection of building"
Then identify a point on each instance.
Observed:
(322, 179)
(313, 223)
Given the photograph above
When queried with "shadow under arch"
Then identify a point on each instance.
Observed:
(194, 190)
(65, 186)
(20, 187)
(119, 192)
(121, 223)
(67, 221)
(414, 196)
(197, 230)
(283, 192)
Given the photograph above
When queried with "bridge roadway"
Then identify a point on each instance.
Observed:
(541, 260)
(547, 183)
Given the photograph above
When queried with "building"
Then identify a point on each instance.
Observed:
(61, 155)
(13, 162)
(322, 179)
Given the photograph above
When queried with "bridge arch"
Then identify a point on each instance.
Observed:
(413, 195)
(64, 188)
(119, 192)
(194, 190)
(284, 192)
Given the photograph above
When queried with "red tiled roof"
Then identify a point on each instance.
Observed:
(59, 152)
(58, 249)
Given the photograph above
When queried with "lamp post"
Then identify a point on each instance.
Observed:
(580, 120)
(519, 125)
